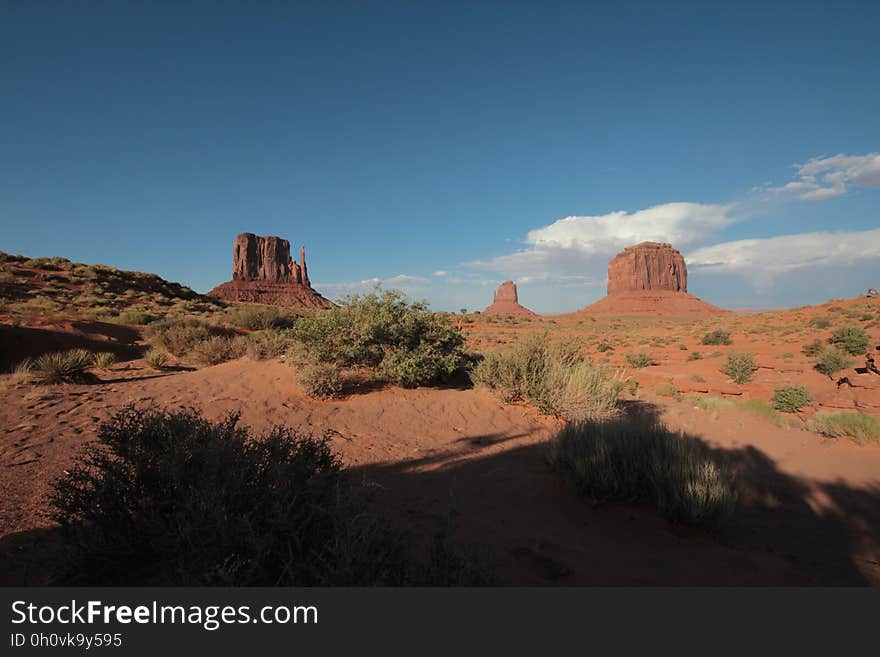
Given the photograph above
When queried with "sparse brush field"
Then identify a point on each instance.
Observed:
(614, 433)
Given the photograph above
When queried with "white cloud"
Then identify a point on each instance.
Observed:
(568, 246)
(773, 255)
(440, 272)
(826, 177)
(401, 281)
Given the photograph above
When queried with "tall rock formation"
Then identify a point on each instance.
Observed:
(506, 302)
(647, 266)
(262, 272)
(650, 279)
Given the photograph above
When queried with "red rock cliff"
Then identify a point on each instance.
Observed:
(647, 266)
(506, 301)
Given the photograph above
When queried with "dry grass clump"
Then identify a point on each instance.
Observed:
(63, 366)
(634, 458)
(860, 427)
(639, 360)
(268, 343)
(716, 337)
(553, 377)
(104, 359)
(320, 380)
(258, 317)
(156, 358)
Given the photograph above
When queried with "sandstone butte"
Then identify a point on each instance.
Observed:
(262, 272)
(506, 302)
(650, 279)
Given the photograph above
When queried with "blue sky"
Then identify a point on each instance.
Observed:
(437, 147)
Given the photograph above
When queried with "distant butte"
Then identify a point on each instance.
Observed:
(506, 302)
(650, 279)
(262, 272)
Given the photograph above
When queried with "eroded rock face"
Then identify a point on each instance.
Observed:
(266, 258)
(506, 301)
(647, 266)
(262, 272)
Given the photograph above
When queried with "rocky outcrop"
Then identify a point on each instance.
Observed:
(650, 279)
(647, 266)
(506, 302)
(263, 272)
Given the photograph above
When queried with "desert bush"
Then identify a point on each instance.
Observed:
(320, 380)
(259, 317)
(860, 427)
(813, 349)
(156, 359)
(218, 349)
(172, 499)
(853, 340)
(639, 360)
(181, 336)
(402, 342)
(695, 355)
(832, 360)
(552, 376)
(104, 359)
(820, 322)
(136, 317)
(740, 366)
(791, 399)
(268, 343)
(64, 366)
(603, 347)
(637, 459)
(716, 337)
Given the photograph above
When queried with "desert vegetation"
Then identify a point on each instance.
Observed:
(635, 458)
(740, 366)
(552, 376)
(168, 498)
(383, 334)
(860, 427)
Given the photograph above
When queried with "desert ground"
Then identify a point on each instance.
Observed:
(456, 456)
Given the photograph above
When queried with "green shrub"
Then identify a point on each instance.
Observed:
(170, 499)
(259, 317)
(853, 340)
(716, 337)
(820, 322)
(104, 359)
(740, 366)
(553, 377)
(156, 359)
(813, 349)
(637, 459)
(858, 426)
(402, 342)
(791, 399)
(639, 360)
(683, 347)
(832, 360)
(695, 355)
(136, 317)
(320, 380)
(603, 347)
(64, 366)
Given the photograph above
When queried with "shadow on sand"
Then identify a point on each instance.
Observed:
(500, 498)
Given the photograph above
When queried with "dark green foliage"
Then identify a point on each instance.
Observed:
(170, 499)
(813, 349)
(854, 340)
(791, 399)
(718, 336)
(63, 366)
(402, 342)
(832, 360)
